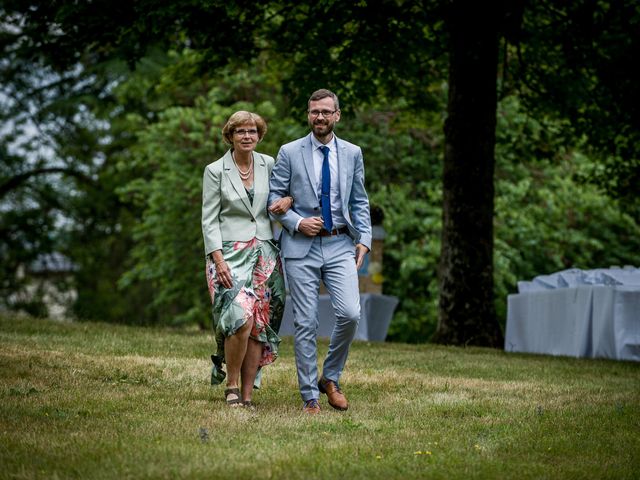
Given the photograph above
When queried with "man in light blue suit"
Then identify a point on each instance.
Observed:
(326, 235)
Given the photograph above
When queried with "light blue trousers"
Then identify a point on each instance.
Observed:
(331, 259)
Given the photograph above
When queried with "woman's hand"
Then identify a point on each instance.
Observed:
(282, 205)
(223, 273)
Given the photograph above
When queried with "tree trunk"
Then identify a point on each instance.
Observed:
(467, 313)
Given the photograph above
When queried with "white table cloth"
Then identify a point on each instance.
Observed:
(577, 313)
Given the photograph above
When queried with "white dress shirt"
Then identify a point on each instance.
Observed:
(318, 158)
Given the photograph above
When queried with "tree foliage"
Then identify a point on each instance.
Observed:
(368, 51)
(574, 61)
(112, 111)
(547, 218)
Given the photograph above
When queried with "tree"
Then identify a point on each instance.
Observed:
(46, 151)
(467, 314)
(374, 52)
(61, 64)
(574, 60)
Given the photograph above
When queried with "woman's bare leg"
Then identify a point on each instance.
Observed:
(250, 368)
(235, 349)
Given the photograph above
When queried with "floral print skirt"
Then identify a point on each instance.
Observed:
(258, 293)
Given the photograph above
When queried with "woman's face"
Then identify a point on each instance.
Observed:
(245, 137)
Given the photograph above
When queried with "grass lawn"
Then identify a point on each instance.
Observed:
(91, 401)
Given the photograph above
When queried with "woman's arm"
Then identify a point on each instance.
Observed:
(211, 201)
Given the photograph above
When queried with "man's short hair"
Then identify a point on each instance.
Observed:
(324, 93)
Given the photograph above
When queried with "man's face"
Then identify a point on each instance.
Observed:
(322, 116)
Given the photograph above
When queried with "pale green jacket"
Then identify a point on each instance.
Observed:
(227, 214)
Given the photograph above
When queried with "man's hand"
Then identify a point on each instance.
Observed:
(361, 251)
(281, 206)
(310, 226)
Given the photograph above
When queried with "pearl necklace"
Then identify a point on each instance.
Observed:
(246, 174)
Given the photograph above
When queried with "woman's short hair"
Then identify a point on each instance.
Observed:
(240, 118)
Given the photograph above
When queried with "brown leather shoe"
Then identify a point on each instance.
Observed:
(312, 407)
(336, 398)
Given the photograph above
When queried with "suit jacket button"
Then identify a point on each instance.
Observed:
(253, 220)
(316, 208)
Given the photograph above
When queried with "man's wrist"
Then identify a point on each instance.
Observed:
(367, 249)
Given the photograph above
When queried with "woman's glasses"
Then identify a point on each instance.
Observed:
(252, 132)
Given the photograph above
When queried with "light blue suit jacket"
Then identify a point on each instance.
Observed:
(294, 175)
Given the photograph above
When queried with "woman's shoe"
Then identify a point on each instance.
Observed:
(232, 397)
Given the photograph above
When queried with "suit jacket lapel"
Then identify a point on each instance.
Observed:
(307, 158)
(260, 183)
(231, 172)
(341, 152)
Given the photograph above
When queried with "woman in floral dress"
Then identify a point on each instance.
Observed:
(243, 267)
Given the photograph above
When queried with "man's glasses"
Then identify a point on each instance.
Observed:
(252, 132)
(325, 113)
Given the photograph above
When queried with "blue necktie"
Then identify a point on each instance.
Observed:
(325, 201)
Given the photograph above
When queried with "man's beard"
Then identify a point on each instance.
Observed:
(322, 129)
